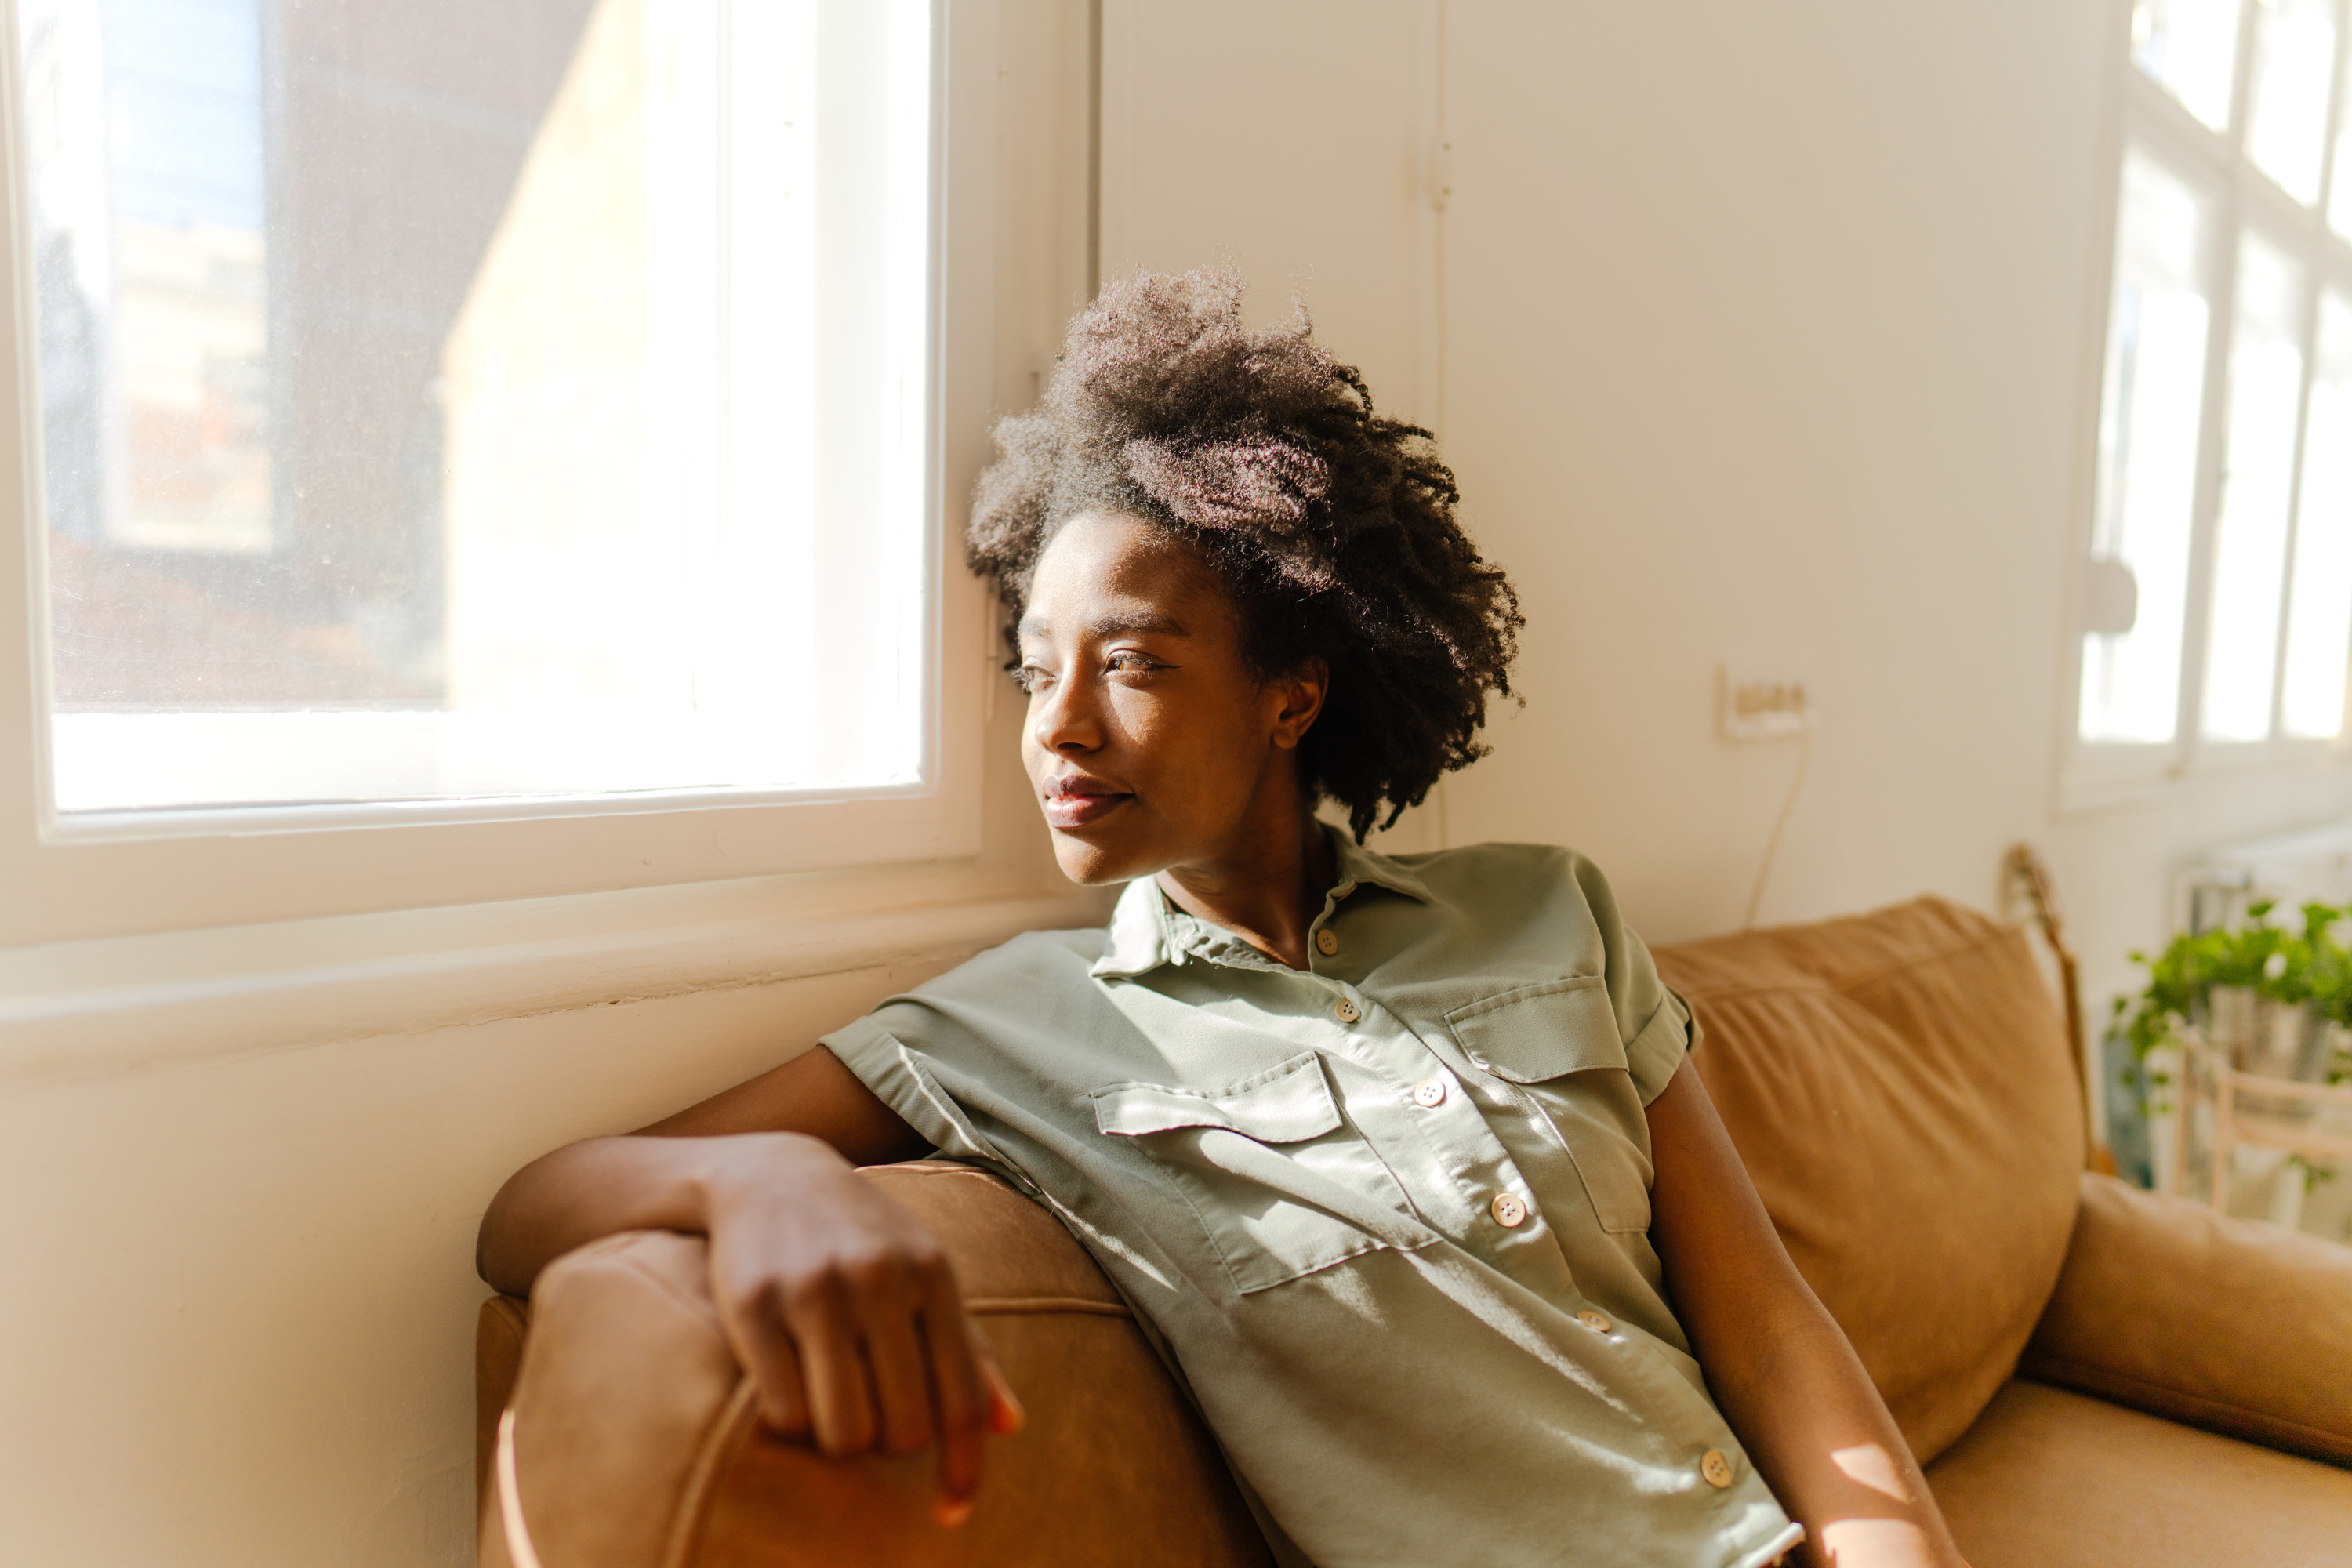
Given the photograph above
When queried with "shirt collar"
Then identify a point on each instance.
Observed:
(1139, 932)
(1143, 934)
(1359, 864)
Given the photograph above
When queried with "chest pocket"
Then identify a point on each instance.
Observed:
(1558, 1040)
(1283, 1186)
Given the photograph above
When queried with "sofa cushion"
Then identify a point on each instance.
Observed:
(1900, 1086)
(2048, 1478)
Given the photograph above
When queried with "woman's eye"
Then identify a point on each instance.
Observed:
(1030, 676)
(1135, 662)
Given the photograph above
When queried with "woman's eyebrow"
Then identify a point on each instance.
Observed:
(1113, 625)
(1110, 625)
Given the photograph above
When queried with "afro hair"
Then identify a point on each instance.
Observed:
(1332, 527)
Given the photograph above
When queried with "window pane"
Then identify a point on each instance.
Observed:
(2294, 60)
(2319, 617)
(2250, 548)
(2152, 396)
(430, 394)
(2191, 47)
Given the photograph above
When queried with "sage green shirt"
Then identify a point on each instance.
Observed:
(1387, 1217)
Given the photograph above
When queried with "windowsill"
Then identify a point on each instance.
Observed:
(2100, 778)
(74, 1011)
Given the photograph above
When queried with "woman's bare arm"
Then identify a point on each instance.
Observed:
(653, 1180)
(843, 1309)
(1778, 1365)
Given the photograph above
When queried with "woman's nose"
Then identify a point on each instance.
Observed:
(1063, 719)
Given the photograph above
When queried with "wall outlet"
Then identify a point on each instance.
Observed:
(1748, 709)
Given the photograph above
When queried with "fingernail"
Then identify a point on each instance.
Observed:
(1007, 1417)
(950, 1512)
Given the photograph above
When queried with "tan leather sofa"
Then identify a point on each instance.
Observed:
(2094, 1374)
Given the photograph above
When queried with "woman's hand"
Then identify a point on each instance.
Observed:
(841, 1309)
(844, 1313)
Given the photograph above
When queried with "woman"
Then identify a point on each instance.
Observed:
(1400, 1161)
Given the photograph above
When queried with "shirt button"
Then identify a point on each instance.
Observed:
(1428, 1093)
(1508, 1211)
(1326, 942)
(1595, 1322)
(1716, 1468)
(1346, 1012)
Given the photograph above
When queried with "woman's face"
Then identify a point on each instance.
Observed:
(1150, 744)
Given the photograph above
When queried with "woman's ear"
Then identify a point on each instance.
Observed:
(1301, 695)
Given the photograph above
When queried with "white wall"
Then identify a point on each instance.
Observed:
(1756, 334)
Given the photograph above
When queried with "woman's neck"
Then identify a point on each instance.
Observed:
(1268, 892)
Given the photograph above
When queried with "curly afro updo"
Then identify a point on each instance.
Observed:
(1332, 527)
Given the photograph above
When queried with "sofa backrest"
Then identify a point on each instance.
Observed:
(1900, 1086)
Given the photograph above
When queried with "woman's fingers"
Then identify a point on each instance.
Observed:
(756, 1327)
(896, 1355)
(833, 1365)
(855, 1337)
(1005, 1415)
(959, 1390)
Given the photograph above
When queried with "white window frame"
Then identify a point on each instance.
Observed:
(2239, 198)
(84, 876)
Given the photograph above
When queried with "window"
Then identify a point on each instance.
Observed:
(482, 408)
(2217, 610)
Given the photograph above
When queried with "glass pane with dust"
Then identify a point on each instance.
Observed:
(2257, 477)
(2151, 400)
(454, 399)
(2319, 603)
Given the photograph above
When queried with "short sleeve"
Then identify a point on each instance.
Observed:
(875, 1047)
(1652, 1020)
(1655, 1053)
(980, 1060)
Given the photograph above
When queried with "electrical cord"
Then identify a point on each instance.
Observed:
(1772, 845)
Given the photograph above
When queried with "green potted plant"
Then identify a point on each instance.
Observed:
(2272, 1000)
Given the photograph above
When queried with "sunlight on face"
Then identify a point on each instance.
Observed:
(1148, 740)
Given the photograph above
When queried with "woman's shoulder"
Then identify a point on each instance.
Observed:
(1492, 887)
(1472, 866)
(1010, 1003)
(1034, 959)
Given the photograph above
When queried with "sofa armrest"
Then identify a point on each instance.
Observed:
(2235, 1326)
(498, 1331)
(634, 1440)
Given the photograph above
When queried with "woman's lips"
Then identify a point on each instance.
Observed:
(1081, 805)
